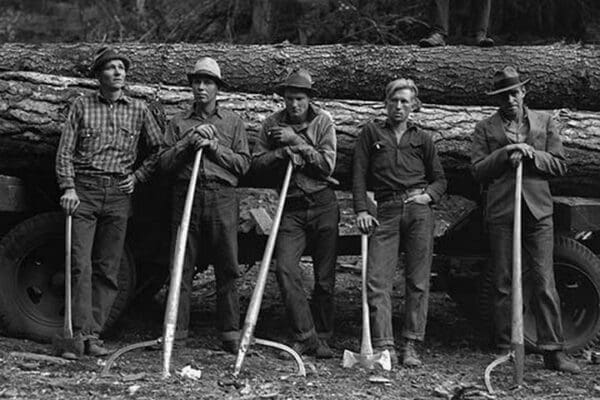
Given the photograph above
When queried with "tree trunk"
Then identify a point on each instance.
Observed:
(561, 75)
(33, 107)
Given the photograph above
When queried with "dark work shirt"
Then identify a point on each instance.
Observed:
(226, 164)
(318, 149)
(392, 167)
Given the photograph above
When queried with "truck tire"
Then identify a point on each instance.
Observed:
(32, 279)
(577, 275)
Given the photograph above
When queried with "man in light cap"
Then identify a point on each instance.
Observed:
(402, 166)
(512, 135)
(214, 223)
(304, 134)
(94, 167)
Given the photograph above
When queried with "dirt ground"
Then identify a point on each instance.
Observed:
(455, 354)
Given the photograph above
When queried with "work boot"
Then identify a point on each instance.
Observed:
(231, 346)
(482, 40)
(308, 346)
(391, 350)
(410, 357)
(558, 361)
(434, 40)
(323, 351)
(95, 348)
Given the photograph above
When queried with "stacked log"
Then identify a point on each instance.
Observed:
(561, 75)
(33, 106)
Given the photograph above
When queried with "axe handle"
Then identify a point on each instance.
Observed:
(68, 321)
(517, 288)
(178, 259)
(366, 347)
(261, 280)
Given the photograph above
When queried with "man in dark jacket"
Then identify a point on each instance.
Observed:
(214, 222)
(305, 134)
(512, 135)
(402, 165)
(94, 167)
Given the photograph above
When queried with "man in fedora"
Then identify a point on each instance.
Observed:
(95, 171)
(212, 238)
(402, 166)
(512, 135)
(304, 134)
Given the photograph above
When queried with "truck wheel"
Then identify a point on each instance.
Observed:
(577, 275)
(32, 283)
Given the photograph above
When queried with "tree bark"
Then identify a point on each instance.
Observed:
(33, 107)
(561, 75)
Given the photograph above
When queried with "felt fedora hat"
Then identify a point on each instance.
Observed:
(299, 79)
(506, 79)
(106, 54)
(207, 67)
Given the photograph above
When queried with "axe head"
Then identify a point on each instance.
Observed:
(368, 361)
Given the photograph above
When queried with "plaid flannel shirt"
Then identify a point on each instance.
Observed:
(101, 138)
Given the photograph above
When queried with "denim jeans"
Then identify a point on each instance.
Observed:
(539, 289)
(315, 224)
(212, 239)
(99, 229)
(480, 16)
(412, 225)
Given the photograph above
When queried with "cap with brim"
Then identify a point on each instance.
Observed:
(505, 80)
(297, 80)
(206, 74)
(106, 54)
(209, 68)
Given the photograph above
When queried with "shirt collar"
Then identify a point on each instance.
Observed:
(410, 126)
(192, 112)
(123, 98)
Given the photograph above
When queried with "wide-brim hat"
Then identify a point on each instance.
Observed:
(299, 79)
(106, 54)
(207, 67)
(505, 80)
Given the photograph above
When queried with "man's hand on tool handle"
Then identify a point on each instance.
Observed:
(517, 151)
(366, 222)
(284, 136)
(69, 201)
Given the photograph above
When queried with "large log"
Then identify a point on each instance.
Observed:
(33, 106)
(562, 75)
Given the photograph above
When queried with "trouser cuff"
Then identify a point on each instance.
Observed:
(383, 342)
(550, 346)
(303, 336)
(181, 334)
(230, 335)
(413, 336)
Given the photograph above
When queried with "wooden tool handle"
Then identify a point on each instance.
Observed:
(177, 271)
(68, 321)
(261, 280)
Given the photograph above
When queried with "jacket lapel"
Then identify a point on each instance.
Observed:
(535, 126)
(497, 129)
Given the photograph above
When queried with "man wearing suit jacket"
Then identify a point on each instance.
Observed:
(512, 135)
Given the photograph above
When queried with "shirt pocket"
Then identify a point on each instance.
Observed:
(89, 141)
(128, 137)
(383, 156)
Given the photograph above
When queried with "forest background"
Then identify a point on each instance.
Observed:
(513, 22)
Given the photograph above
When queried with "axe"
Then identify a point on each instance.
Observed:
(67, 346)
(366, 358)
(178, 258)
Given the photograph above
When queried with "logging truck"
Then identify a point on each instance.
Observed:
(32, 259)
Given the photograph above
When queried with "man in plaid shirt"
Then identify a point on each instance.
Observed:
(94, 168)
